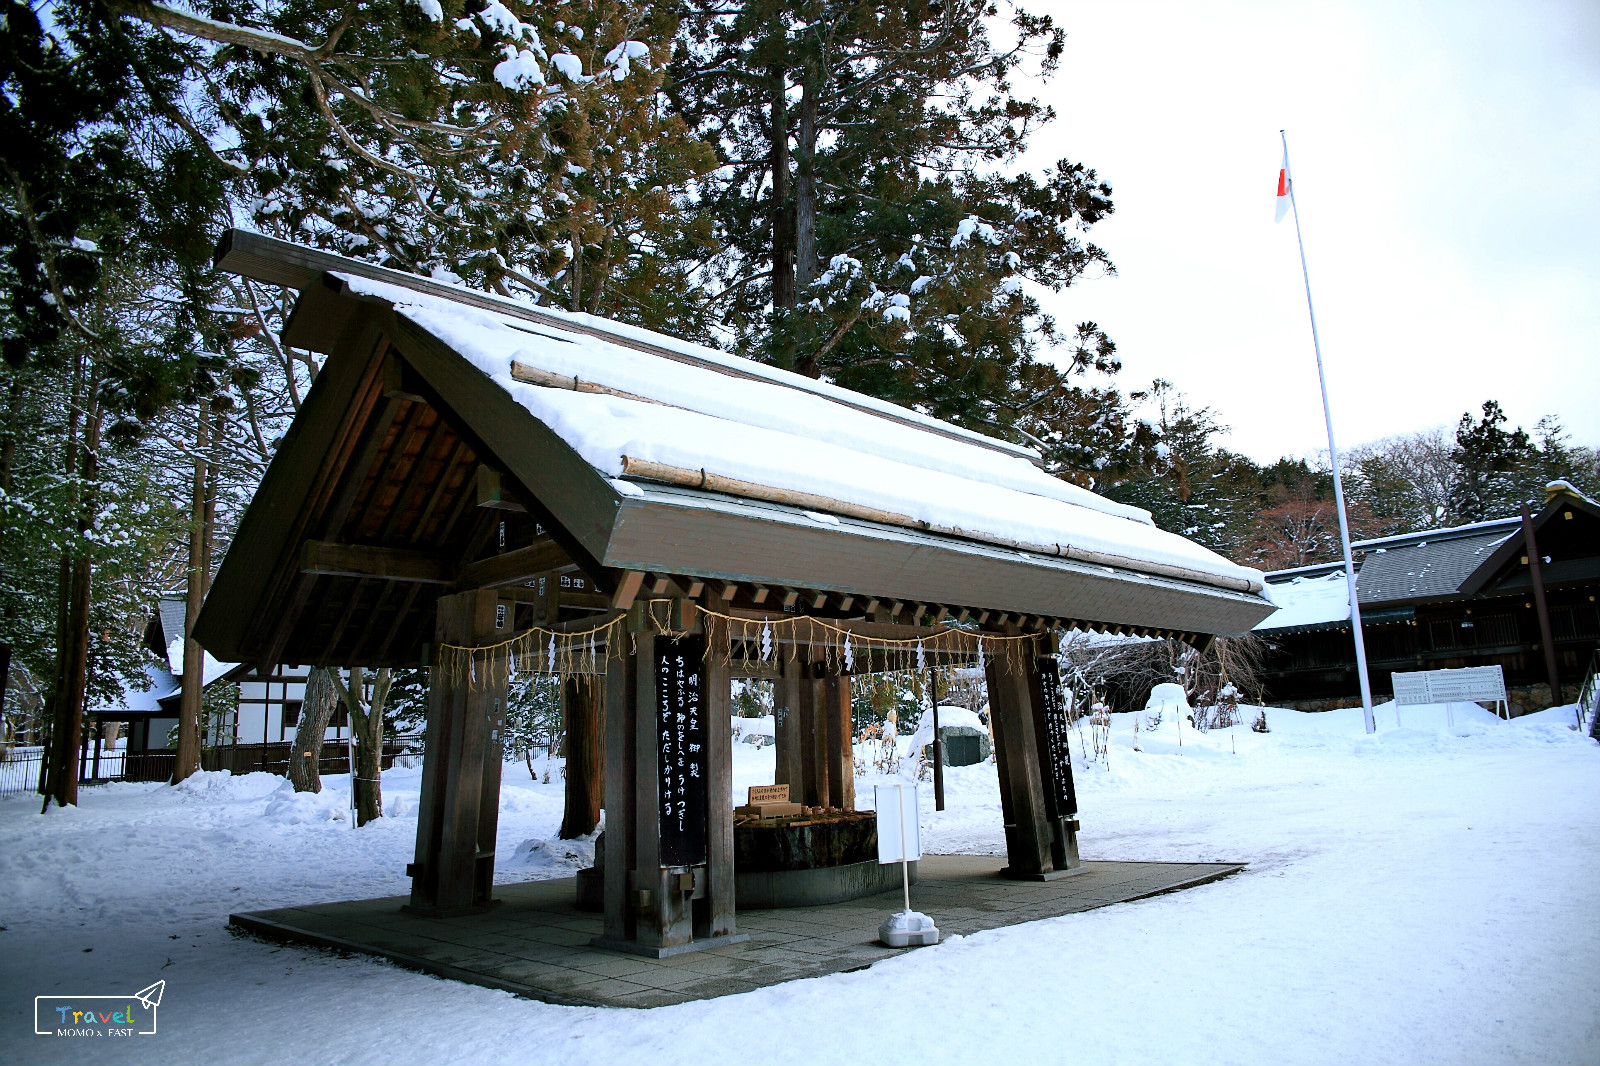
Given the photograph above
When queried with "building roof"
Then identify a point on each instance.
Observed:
(1415, 569)
(642, 453)
(1436, 565)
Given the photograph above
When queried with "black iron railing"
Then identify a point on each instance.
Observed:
(1589, 698)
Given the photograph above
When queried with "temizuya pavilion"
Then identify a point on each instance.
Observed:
(487, 487)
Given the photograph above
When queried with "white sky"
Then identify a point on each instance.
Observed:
(1446, 159)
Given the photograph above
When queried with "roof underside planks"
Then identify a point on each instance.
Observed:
(387, 455)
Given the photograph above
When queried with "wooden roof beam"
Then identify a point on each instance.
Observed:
(360, 560)
(513, 567)
(627, 590)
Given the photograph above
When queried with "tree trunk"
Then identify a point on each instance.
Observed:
(315, 712)
(586, 756)
(8, 455)
(782, 209)
(805, 184)
(51, 767)
(72, 649)
(189, 699)
(366, 725)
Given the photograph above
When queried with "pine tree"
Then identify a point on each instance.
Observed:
(1489, 459)
(102, 289)
(863, 233)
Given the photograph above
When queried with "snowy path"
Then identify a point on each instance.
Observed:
(1414, 897)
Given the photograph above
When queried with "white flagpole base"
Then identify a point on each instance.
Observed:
(908, 929)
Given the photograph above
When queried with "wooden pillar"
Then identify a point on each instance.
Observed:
(1053, 737)
(621, 768)
(714, 915)
(786, 716)
(841, 762)
(460, 803)
(664, 917)
(669, 879)
(1028, 836)
(1546, 636)
(581, 712)
(813, 740)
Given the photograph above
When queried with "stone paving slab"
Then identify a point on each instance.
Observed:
(536, 942)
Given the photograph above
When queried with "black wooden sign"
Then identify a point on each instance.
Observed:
(681, 758)
(1057, 739)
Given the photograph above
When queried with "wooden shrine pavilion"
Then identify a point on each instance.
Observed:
(490, 488)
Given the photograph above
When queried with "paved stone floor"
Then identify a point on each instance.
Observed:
(536, 943)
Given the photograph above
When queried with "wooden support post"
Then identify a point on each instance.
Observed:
(938, 742)
(621, 770)
(663, 919)
(581, 712)
(669, 881)
(841, 756)
(714, 915)
(1028, 836)
(1541, 607)
(813, 741)
(786, 743)
(460, 805)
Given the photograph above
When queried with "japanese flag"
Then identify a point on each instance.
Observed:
(1283, 188)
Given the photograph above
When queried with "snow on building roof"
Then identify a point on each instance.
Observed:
(1308, 601)
(1392, 570)
(630, 412)
(160, 685)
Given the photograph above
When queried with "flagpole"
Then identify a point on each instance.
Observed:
(1333, 458)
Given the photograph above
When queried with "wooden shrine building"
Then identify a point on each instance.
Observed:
(1516, 592)
(490, 488)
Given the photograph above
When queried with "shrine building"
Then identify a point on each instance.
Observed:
(490, 488)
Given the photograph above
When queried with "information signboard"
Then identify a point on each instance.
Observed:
(681, 754)
(1057, 739)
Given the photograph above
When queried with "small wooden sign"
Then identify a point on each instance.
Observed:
(768, 794)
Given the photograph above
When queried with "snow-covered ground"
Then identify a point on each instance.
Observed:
(1423, 895)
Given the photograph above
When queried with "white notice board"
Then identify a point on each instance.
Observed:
(899, 835)
(1450, 686)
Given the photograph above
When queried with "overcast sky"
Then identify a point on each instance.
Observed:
(1447, 166)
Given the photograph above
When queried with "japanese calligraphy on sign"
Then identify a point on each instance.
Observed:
(680, 739)
(1057, 739)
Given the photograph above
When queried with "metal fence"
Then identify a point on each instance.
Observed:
(19, 770)
(1589, 698)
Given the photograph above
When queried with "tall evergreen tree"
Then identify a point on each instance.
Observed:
(865, 233)
(103, 290)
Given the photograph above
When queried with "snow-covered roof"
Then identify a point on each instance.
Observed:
(1308, 601)
(637, 456)
(752, 425)
(160, 684)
